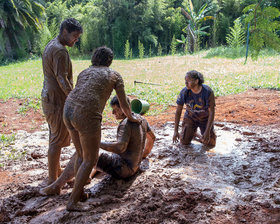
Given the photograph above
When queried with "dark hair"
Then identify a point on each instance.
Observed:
(196, 75)
(102, 56)
(115, 101)
(71, 25)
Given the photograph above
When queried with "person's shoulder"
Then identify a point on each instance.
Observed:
(114, 73)
(207, 88)
(138, 116)
(184, 89)
(86, 71)
(54, 44)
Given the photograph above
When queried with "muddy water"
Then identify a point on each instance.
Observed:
(238, 181)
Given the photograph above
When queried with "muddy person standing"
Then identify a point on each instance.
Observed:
(200, 111)
(83, 114)
(134, 143)
(58, 82)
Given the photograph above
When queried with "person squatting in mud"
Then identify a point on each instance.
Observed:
(83, 114)
(58, 82)
(134, 143)
(200, 111)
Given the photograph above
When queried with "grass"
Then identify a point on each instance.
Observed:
(7, 152)
(239, 52)
(224, 76)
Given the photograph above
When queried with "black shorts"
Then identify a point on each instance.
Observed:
(114, 165)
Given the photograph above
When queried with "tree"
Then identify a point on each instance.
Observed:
(194, 29)
(264, 25)
(15, 17)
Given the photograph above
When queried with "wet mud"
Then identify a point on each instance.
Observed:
(238, 181)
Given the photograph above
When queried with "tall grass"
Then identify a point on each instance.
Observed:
(224, 76)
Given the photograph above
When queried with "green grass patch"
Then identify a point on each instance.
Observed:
(7, 152)
(225, 76)
(238, 52)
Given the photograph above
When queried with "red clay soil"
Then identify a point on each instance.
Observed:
(254, 107)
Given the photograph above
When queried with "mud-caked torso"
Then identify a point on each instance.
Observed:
(135, 135)
(56, 63)
(93, 88)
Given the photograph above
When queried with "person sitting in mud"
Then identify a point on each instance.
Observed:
(83, 114)
(200, 110)
(134, 143)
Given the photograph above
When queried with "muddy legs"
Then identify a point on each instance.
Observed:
(89, 156)
(53, 162)
(67, 175)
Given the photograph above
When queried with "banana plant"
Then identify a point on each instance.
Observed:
(195, 20)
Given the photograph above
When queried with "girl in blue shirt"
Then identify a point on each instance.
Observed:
(200, 111)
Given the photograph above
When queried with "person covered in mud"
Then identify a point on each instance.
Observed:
(200, 111)
(83, 114)
(134, 143)
(58, 82)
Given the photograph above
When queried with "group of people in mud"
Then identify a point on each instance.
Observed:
(76, 114)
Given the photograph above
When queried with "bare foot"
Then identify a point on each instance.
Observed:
(49, 190)
(77, 207)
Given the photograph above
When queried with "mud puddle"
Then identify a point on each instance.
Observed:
(238, 181)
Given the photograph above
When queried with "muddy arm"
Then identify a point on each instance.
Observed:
(61, 70)
(125, 106)
(115, 147)
(211, 109)
(177, 120)
(150, 139)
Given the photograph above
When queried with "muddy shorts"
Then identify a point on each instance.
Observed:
(189, 128)
(58, 133)
(114, 165)
(77, 118)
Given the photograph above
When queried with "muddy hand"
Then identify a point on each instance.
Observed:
(135, 119)
(175, 137)
(205, 139)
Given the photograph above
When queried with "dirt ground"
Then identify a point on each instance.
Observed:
(254, 107)
(238, 181)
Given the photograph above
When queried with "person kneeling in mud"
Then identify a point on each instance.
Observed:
(200, 111)
(134, 143)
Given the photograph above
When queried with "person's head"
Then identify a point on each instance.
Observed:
(70, 31)
(102, 56)
(117, 111)
(193, 78)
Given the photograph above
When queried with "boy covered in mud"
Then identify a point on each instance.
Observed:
(134, 143)
(200, 111)
(83, 114)
(58, 82)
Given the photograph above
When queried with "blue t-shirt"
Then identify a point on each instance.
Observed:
(197, 104)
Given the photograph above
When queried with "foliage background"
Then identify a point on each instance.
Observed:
(28, 25)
